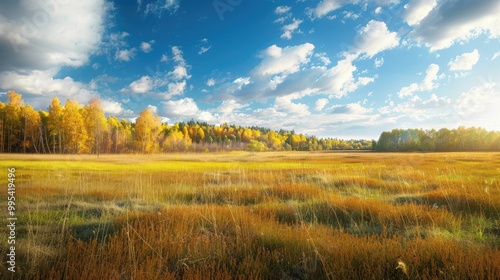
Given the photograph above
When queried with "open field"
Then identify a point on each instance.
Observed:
(273, 215)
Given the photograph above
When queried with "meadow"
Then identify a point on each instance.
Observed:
(242, 215)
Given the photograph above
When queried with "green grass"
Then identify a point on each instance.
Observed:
(266, 215)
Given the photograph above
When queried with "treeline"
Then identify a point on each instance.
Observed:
(74, 128)
(443, 140)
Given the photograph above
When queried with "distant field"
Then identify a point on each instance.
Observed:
(241, 215)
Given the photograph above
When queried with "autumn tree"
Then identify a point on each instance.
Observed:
(75, 134)
(95, 124)
(31, 123)
(55, 125)
(146, 131)
(13, 125)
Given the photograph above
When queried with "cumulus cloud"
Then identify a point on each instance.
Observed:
(478, 99)
(147, 46)
(374, 38)
(282, 10)
(286, 60)
(185, 107)
(416, 10)
(33, 38)
(431, 76)
(326, 6)
(173, 89)
(291, 28)
(38, 39)
(350, 109)
(339, 80)
(164, 58)
(166, 86)
(112, 107)
(143, 85)
(320, 104)
(183, 110)
(284, 104)
(229, 106)
(180, 72)
(454, 21)
(125, 55)
(211, 82)
(464, 61)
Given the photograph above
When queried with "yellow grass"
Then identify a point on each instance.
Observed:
(239, 215)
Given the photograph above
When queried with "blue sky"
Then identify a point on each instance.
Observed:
(331, 68)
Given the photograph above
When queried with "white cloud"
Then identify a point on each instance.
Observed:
(350, 15)
(289, 29)
(416, 10)
(174, 81)
(320, 104)
(324, 59)
(286, 71)
(44, 84)
(464, 61)
(112, 107)
(285, 104)
(211, 82)
(152, 108)
(374, 38)
(204, 50)
(143, 85)
(378, 10)
(125, 55)
(159, 6)
(36, 43)
(164, 58)
(495, 56)
(327, 6)
(177, 52)
(185, 107)
(282, 10)
(478, 99)
(241, 81)
(419, 109)
(228, 106)
(350, 109)
(286, 60)
(427, 84)
(339, 80)
(32, 38)
(180, 72)
(174, 89)
(183, 110)
(430, 77)
(454, 21)
(147, 46)
(408, 90)
(378, 62)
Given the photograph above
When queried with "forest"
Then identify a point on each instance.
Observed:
(74, 128)
(443, 140)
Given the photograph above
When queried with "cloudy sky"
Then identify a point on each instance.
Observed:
(331, 68)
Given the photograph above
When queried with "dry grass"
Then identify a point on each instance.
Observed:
(258, 216)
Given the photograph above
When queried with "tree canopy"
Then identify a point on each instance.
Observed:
(74, 128)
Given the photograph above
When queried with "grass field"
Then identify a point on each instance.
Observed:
(275, 215)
